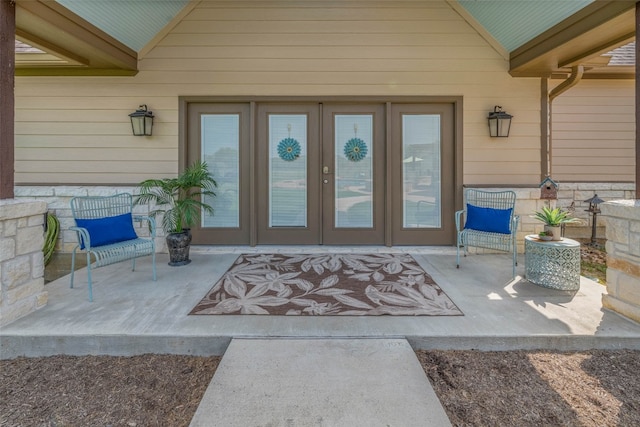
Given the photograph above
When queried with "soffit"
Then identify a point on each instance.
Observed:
(133, 23)
(513, 23)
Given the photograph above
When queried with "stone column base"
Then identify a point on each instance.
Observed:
(21, 259)
(630, 311)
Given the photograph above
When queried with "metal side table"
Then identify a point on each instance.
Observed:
(552, 264)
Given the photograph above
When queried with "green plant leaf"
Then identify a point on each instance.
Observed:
(555, 217)
(179, 199)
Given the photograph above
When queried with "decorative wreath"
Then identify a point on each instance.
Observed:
(355, 149)
(288, 149)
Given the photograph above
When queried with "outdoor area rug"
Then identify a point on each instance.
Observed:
(327, 284)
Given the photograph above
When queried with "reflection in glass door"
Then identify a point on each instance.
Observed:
(221, 152)
(421, 171)
(353, 171)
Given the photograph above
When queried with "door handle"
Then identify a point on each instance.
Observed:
(325, 170)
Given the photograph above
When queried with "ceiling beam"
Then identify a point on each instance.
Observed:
(597, 51)
(47, 24)
(50, 47)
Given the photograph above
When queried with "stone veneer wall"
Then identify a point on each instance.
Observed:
(21, 259)
(623, 257)
(528, 201)
(58, 199)
(578, 192)
(570, 196)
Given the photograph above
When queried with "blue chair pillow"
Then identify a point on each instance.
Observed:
(488, 219)
(105, 231)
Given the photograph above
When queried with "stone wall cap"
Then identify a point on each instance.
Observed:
(627, 209)
(624, 203)
(17, 208)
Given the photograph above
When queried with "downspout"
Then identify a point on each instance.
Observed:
(575, 77)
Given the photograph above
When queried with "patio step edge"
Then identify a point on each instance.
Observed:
(12, 346)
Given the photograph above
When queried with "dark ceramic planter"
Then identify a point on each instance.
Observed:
(178, 245)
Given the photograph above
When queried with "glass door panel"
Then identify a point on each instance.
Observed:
(421, 175)
(287, 170)
(220, 141)
(353, 171)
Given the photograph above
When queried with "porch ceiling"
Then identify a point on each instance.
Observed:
(544, 38)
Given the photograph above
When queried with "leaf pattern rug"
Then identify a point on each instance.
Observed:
(327, 284)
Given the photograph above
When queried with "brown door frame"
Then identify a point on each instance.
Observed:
(185, 103)
(421, 236)
(331, 235)
(309, 235)
(206, 235)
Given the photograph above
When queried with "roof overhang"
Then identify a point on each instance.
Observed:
(73, 46)
(581, 39)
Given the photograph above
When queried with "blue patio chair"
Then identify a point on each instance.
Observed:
(104, 227)
(489, 223)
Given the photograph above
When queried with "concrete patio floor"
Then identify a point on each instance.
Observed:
(131, 314)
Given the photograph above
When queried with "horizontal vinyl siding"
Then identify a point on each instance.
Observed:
(593, 132)
(67, 126)
(77, 131)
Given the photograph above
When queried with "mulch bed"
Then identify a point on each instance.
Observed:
(512, 388)
(148, 390)
(593, 260)
(535, 388)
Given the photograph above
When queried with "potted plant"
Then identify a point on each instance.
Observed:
(553, 220)
(180, 200)
(546, 236)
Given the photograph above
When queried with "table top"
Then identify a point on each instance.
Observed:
(564, 243)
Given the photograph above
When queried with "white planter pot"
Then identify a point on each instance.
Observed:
(554, 231)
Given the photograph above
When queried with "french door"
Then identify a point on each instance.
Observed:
(326, 172)
(320, 170)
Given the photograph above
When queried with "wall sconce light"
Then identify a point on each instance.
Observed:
(499, 122)
(141, 121)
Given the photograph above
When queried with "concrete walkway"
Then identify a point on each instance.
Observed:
(320, 382)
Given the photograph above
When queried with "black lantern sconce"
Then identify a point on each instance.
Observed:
(141, 121)
(499, 122)
(594, 210)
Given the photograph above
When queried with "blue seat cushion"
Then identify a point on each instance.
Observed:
(105, 231)
(488, 219)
